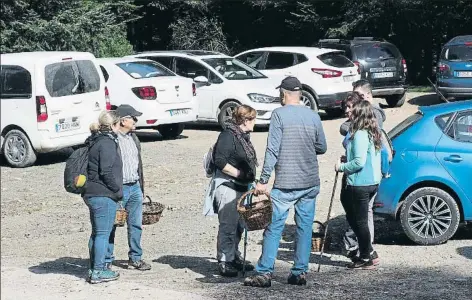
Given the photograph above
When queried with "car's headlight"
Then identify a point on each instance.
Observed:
(260, 98)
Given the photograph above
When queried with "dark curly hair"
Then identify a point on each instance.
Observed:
(363, 118)
(352, 99)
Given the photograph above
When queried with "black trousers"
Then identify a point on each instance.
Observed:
(355, 200)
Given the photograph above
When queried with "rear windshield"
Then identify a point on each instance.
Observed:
(15, 82)
(377, 51)
(404, 125)
(336, 59)
(144, 69)
(457, 53)
(72, 78)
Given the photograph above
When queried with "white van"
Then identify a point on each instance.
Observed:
(48, 101)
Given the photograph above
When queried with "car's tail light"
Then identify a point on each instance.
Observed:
(443, 68)
(150, 122)
(326, 73)
(145, 92)
(41, 109)
(194, 89)
(468, 43)
(358, 64)
(107, 100)
(404, 65)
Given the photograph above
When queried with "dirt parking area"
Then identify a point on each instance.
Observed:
(45, 230)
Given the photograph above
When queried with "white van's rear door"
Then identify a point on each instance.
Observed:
(72, 92)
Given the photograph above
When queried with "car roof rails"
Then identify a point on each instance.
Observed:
(367, 39)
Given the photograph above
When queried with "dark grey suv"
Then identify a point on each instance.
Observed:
(379, 62)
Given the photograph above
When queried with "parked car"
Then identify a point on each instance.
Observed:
(429, 187)
(379, 62)
(166, 100)
(326, 75)
(454, 69)
(48, 101)
(222, 83)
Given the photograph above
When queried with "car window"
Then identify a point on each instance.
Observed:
(166, 61)
(335, 59)
(233, 69)
(105, 73)
(301, 58)
(461, 129)
(404, 125)
(459, 53)
(279, 60)
(441, 121)
(377, 51)
(15, 82)
(71, 78)
(214, 78)
(253, 59)
(189, 68)
(144, 69)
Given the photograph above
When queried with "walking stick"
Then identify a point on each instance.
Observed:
(329, 215)
(249, 202)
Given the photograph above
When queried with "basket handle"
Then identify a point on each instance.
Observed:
(149, 198)
(121, 204)
(247, 193)
(321, 224)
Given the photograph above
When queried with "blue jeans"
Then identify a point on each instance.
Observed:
(133, 203)
(282, 201)
(102, 217)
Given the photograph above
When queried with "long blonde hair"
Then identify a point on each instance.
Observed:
(106, 120)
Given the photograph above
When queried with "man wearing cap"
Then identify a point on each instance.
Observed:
(295, 139)
(133, 187)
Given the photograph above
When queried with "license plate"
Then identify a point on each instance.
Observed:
(464, 74)
(179, 112)
(349, 78)
(67, 125)
(382, 75)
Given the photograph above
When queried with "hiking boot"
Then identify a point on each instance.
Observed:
(140, 265)
(107, 267)
(362, 264)
(99, 276)
(259, 280)
(375, 258)
(297, 279)
(238, 265)
(227, 269)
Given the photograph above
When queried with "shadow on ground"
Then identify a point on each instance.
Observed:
(77, 267)
(465, 251)
(425, 100)
(46, 159)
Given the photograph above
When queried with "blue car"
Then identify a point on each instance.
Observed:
(429, 183)
(454, 70)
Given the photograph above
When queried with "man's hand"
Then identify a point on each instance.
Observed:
(260, 189)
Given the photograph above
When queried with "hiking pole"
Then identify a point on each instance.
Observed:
(329, 215)
(249, 202)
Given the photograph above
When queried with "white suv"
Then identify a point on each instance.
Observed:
(48, 100)
(326, 74)
(222, 83)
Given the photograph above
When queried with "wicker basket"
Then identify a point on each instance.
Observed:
(152, 211)
(317, 238)
(121, 216)
(257, 214)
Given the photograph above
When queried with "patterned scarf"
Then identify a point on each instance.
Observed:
(245, 141)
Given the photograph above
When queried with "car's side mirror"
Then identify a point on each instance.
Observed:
(201, 80)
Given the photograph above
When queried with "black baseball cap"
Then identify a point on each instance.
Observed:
(125, 110)
(290, 84)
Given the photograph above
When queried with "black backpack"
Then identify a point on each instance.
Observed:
(76, 165)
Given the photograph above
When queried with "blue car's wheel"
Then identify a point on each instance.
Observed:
(430, 216)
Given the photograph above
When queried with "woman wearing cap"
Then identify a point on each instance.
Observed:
(235, 161)
(104, 188)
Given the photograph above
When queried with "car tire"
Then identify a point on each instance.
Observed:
(171, 131)
(309, 100)
(334, 112)
(396, 100)
(416, 229)
(226, 112)
(17, 149)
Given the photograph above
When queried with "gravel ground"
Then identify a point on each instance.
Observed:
(44, 234)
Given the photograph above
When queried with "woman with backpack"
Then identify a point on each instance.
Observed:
(103, 189)
(235, 163)
(363, 174)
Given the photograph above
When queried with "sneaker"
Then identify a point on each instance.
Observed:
(99, 276)
(140, 265)
(238, 265)
(297, 279)
(353, 255)
(375, 258)
(107, 266)
(259, 280)
(362, 264)
(227, 269)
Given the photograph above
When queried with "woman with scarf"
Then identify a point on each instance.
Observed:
(235, 161)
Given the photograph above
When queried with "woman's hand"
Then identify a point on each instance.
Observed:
(337, 166)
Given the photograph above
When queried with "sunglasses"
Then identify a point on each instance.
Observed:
(130, 117)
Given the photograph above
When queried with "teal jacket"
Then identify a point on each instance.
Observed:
(363, 166)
